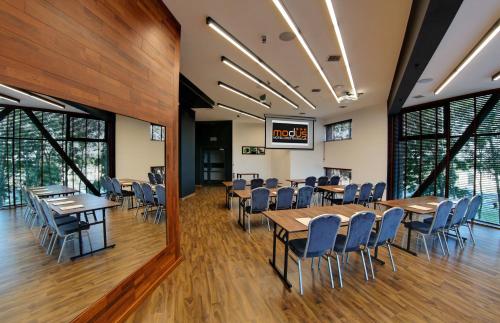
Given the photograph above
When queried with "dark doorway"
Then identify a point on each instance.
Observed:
(213, 165)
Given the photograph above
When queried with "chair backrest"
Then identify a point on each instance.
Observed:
(322, 181)
(160, 194)
(239, 184)
(117, 187)
(365, 192)
(441, 215)
(310, 181)
(473, 208)
(272, 182)
(137, 189)
(148, 193)
(256, 182)
(349, 193)
(378, 191)
(459, 212)
(38, 208)
(322, 234)
(304, 197)
(260, 199)
(335, 180)
(284, 198)
(158, 178)
(29, 199)
(49, 216)
(358, 232)
(152, 179)
(389, 225)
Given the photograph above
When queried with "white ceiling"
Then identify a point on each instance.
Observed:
(473, 20)
(372, 31)
(27, 101)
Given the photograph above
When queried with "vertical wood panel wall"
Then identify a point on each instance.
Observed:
(117, 55)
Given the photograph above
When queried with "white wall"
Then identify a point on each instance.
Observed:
(366, 152)
(304, 163)
(135, 151)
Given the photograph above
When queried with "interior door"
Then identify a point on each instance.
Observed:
(213, 165)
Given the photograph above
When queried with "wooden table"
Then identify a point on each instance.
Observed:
(332, 189)
(406, 204)
(52, 190)
(90, 203)
(129, 181)
(286, 220)
(229, 185)
(245, 195)
(296, 182)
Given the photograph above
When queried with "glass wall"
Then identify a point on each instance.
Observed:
(424, 140)
(27, 157)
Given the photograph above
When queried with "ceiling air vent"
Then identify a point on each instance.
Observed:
(333, 58)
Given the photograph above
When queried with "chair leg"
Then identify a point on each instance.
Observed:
(425, 246)
(364, 264)
(370, 262)
(62, 249)
(459, 238)
(53, 244)
(300, 276)
(391, 257)
(268, 224)
(319, 262)
(312, 263)
(330, 271)
(471, 234)
(248, 218)
(340, 271)
(441, 243)
(446, 243)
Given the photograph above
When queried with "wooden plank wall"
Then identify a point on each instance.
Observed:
(117, 55)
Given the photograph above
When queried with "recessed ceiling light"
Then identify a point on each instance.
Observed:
(246, 96)
(245, 50)
(286, 36)
(34, 96)
(316, 90)
(306, 47)
(496, 77)
(418, 96)
(336, 27)
(251, 77)
(9, 98)
(342, 106)
(479, 47)
(226, 107)
(425, 80)
(302, 113)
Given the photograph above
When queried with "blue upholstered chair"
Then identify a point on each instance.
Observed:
(238, 184)
(378, 193)
(158, 178)
(455, 220)
(139, 196)
(152, 179)
(304, 197)
(320, 239)
(150, 201)
(472, 209)
(120, 194)
(161, 198)
(388, 228)
(364, 194)
(284, 199)
(322, 181)
(358, 233)
(271, 182)
(335, 180)
(107, 186)
(349, 195)
(259, 203)
(310, 181)
(256, 182)
(436, 227)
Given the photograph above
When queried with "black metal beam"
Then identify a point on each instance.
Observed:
(5, 112)
(427, 24)
(61, 152)
(462, 140)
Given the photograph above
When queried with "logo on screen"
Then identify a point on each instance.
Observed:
(291, 133)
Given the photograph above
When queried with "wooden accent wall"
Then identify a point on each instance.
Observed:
(117, 55)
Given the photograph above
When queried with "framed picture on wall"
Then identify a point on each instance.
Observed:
(253, 150)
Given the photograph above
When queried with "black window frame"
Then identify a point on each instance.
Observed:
(152, 126)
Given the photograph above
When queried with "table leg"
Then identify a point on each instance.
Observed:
(408, 241)
(80, 242)
(104, 228)
(375, 252)
(272, 261)
(285, 261)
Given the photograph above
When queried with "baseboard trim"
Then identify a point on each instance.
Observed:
(188, 196)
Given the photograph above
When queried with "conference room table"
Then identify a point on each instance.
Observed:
(286, 222)
(246, 195)
(415, 205)
(229, 186)
(78, 205)
(52, 190)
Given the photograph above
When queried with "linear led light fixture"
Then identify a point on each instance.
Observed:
(302, 41)
(496, 77)
(247, 74)
(246, 96)
(245, 50)
(34, 96)
(479, 47)
(8, 98)
(223, 106)
(336, 27)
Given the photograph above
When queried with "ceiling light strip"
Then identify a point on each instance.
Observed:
(245, 50)
(479, 47)
(336, 27)
(223, 106)
(496, 77)
(8, 98)
(306, 47)
(34, 96)
(251, 77)
(243, 94)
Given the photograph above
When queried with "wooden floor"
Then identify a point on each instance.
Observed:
(226, 278)
(35, 288)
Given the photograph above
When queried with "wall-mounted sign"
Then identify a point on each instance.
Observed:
(289, 133)
(252, 150)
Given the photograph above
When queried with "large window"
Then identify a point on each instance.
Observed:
(27, 157)
(157, 132)
(451, 149)
(338, 130)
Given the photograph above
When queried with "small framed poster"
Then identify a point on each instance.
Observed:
(253, 150)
